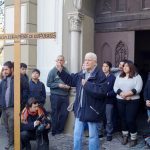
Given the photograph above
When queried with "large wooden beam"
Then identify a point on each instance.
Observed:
(17, 30)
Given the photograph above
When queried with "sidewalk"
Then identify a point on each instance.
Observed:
(2, 138)
(65, 142)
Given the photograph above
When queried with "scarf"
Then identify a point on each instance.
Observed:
(26, 112)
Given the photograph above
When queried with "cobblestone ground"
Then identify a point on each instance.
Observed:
(65, 142)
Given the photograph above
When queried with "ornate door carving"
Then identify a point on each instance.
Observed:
(121, 52)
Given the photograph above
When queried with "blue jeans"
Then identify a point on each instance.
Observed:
(109, 119)
(94, 142)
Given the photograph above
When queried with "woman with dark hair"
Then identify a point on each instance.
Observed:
(110, 98)
(128, 87)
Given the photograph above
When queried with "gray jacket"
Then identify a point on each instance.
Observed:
(3, 87)
(54, 80)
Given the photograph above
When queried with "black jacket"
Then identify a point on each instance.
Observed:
(111, 95)
(37, 90)
(95, 88)
(30, 125)
(147, 91)
(24, 88)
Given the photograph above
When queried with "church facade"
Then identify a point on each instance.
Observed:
(113, 29)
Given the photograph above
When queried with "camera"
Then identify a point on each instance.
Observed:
(44, 122)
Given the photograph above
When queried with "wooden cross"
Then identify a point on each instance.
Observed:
(17, 36)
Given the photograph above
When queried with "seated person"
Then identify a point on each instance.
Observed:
(34, 126)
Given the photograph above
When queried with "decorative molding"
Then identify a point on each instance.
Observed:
(121, 5)
(106, 6)
(145, 4)
(77, 4)
(2, 15)
(75, 20)
(121, 52)
(106, 52)
(1, 23)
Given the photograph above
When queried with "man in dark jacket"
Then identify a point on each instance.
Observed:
(147, 96)
(7, 102)
(24, 81)
(34, 126)
(89, 105)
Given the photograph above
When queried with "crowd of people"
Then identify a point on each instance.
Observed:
(105, 96)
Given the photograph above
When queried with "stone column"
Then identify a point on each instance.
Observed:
(75, 20)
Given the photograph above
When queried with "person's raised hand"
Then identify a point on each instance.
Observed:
(59, 66)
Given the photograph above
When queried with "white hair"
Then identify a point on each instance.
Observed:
(61, 56)
(91, 55)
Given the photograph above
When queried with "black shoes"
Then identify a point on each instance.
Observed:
(133, 143)
(57, 132)
(101, 136)
(124, 140)
(109, 138)
(53, 133)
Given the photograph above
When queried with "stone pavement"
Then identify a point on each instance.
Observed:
(65, 142)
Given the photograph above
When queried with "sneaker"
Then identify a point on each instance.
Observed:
(133, 143)
(53, 134)
(109, 138)
(100, 136)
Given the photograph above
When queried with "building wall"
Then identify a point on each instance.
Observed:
(87, 37)
(67, 8)
(87, 29)
(49, 20)
(86, 41)
(28, 24)
(122, 15)
(51, 16)
(117, 20)
(106, 46)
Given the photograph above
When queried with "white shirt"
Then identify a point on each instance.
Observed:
(127, 84)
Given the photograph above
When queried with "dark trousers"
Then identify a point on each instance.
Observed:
(109, 119)
(128, 112)
(0, 112)
(116, 118)
(8, 117)
(59, 114)
(41, 140)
